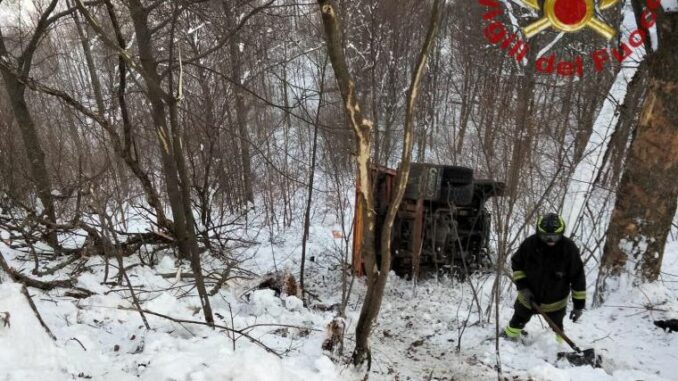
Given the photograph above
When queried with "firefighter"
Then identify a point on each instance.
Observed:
(546, 267)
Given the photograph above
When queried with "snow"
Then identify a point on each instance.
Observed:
(670, 5)
(621, 331)
(431, 330)
(428, 330)
(119, 348)
(16, 13)
(36, 356)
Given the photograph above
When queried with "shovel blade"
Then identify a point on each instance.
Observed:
(585, 357)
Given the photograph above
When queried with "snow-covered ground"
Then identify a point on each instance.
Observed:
(420, 328)
(99, 338)
(416, 338)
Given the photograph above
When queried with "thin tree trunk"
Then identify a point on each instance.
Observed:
(241, 111)
(362, 129)
(16, 91)
(524, 129)
(158, 111)
(94, 78)
(307, 215)
(174, 166)
(36, 156)
(185, 183)
(376, 274)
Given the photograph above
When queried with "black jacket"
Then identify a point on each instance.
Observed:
(550, 272)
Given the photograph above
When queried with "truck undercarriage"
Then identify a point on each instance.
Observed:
(442, 224)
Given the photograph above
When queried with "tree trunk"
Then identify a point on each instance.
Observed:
(524, 128)
(165, 138)
(36, 155)
(177, 180)
(646, 198)
(29, 134)
(125, 150)
(362, 128)
(376, 274)
(241, 110)
(311, 176)
(626, 124)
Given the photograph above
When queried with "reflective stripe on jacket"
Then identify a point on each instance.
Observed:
(550, 273)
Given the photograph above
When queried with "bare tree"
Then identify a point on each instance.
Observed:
(16, 90)
(377, 273)
(241, 109)
(164, 113)
(311, 176)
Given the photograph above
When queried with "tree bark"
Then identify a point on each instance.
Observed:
(33, 146)
(377, 274)
(241, 111)
(362, 129)
(524, 127)
(311, 176)
(646, 198)
(16, 91)
(177, 180)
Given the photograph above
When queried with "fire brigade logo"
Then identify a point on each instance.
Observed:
(570, 16)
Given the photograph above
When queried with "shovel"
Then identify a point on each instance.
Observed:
(579, 357)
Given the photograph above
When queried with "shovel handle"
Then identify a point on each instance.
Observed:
(555, 328)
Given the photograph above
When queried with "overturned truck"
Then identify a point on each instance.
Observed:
(442, 224)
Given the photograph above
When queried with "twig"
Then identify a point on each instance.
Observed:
(79, 293)
(52, 270)
(602, 338)
(107, 225)
(78, 341)
(24, 291)
(281, 326)
(240, 332)
(174, 275)
(648, 308)
(222, 280)
(230, 311)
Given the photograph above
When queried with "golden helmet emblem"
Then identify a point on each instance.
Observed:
(570, 16)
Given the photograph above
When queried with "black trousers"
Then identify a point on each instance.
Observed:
(522, 315)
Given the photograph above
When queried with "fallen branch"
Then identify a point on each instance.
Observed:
(52, 270)
(241, 332)
(647, 308)
(79, 293)
(602, 338)
(28, 281)
(222, 280)
(174, 275)
(24, 291)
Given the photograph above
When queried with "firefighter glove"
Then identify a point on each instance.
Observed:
(575, 315)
